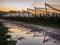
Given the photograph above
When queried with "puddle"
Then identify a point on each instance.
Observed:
(25, 36)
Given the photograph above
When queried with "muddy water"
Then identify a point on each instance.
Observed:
(25, 36)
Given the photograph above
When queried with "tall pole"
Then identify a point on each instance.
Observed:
(23, 13)
(19, 13)
(46, 8)
(28, 13)
(35, 10)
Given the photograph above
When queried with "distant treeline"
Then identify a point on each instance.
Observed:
(45, 19)
(2, 13)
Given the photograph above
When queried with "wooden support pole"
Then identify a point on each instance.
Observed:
(28, 12)
(35, 10)
(46, 8)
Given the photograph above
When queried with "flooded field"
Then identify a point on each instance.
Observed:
(28, 36)
(30, 22)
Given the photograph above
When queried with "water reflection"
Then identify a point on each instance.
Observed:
(28, 36)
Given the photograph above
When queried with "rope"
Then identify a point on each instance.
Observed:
(52, 7)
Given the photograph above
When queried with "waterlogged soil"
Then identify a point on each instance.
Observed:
(29, 34)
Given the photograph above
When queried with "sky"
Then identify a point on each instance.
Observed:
(24, 4)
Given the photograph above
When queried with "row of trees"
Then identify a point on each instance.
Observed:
(42, 19)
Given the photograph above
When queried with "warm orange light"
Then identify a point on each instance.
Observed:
(8, 9)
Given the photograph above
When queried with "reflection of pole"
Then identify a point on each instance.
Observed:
(46, 8)
(44, 37)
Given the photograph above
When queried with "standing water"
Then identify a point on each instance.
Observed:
(26, 36)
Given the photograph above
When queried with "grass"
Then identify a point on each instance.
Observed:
(45, 20)
(1, 24)
(4, 37)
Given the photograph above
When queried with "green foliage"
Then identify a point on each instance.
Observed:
(4, 36)
(1, 24)
(43, 19)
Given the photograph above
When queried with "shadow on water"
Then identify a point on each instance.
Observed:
(50, 34)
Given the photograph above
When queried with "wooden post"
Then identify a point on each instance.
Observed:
(23, 13)
(46, 8)
(19, 13)
(35, 10)
(28, 13)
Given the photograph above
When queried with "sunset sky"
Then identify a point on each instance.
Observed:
(23, 4)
